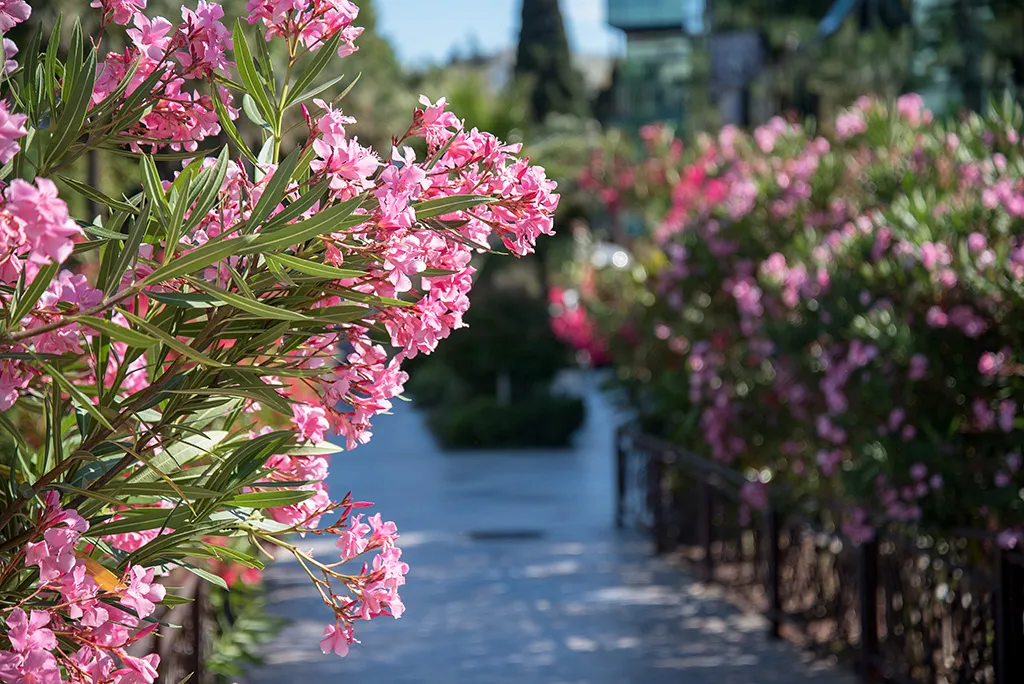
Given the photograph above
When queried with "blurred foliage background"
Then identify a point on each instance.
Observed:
(817, 57)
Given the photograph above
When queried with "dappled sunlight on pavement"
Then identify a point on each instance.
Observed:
(517, 576)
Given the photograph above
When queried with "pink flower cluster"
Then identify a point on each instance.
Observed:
(100, 622)
(311, 23)
(404, 258)
(180, 116)
(806, 311)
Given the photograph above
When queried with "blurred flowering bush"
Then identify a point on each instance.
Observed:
(841, 316)
(170, 369)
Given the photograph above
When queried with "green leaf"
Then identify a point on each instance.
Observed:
(115, 331)
(76, 394)
(319, 449)
(154, 188)
(201, 257)
(75, 108)
(336, 218)
(275, 190)
(316, 90)
(249, 305)
(206, 575)
(180, 452)
(140, 519)
(299, 206)
(173, 342)
(209, 183)
(186, 300)
(33, 292)
(247, 72)
(18, 435)
(321, 58)
(50, 62)
(76, 49)
(272, 499)
(228, 126)
(175, 600)
(449, 205)
(130, 251)
(224, 552)
(29, 68)
(160, 489)
(130, 111)
(251, 110)
(246, 460)
(314, 268)
(246, 377)
(97, 196)
(342, 313)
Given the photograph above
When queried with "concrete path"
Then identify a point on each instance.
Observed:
(517, 576)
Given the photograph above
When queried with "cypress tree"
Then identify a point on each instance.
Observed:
(543, 58)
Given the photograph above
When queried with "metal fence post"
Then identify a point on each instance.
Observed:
(620, 480)
(1009, 636)
(773, 575)
(198, 665)
(707, 524)
(869, 611)
(656, 500)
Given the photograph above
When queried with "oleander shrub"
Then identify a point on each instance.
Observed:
(171, 368)
(839, 317)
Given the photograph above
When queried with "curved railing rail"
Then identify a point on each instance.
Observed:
(905, 611)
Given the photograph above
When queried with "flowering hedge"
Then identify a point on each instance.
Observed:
(145, 353)
(840, 315)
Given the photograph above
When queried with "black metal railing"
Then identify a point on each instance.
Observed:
(901, 610)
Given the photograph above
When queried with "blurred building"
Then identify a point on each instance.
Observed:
(650, 81)
(700, 63)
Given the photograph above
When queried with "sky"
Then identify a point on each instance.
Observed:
(423, 31)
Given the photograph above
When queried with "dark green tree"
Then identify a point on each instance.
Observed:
(544, 61)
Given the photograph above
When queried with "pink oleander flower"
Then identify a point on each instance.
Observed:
(12, 13)
(121, 12)
(850, 123)
(10, 51)
(337, 638)
(12, 127)
(206, 40)
(48, 229)
(310, 422)
(313, 23)
(918, 367)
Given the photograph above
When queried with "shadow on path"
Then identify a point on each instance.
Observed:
(517, 576)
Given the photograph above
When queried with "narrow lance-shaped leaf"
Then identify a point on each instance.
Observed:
(314, 268)
(68, 127)
(321, 58)
(299, 206)
(247, 72)
(275, 189)
(229, 128)
(115, 331)
(448, 205)
(172, 342)
(97, 196)
(33, 292)
(336, 218)
(130, 251)
(80, 399)
(181, 452)
(210, 182)
(271, 499)
(250, 305)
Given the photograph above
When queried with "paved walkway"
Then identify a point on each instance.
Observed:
(517, 576)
